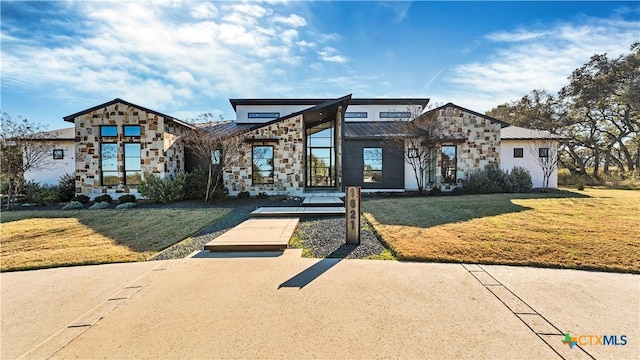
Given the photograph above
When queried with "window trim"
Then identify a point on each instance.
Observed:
(102, 127)
(58, 154)
(395, 114)
(543, 152)
(124, 130)
(272, 177)
(455, 163)
(124, 160)
(102, 171)
(374, 171)
(518, 153)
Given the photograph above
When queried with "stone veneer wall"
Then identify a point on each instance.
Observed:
(288, 162)
(161, 154)
(480, 147)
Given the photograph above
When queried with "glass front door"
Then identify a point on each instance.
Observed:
(320, 167)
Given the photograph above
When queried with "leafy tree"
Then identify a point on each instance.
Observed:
(23, 147)
(537, 110)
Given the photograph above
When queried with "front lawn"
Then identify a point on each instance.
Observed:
(591, 229)
(51, 238)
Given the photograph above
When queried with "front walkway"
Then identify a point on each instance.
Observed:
(256, 235)
(279, 305)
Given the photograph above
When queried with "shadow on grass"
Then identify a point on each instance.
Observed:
(426, 212)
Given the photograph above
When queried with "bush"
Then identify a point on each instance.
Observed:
(581, 186)
(487, 181)
(127, 205)
(29, 191)
(162, 191)
(103, 198)
(435, 192)
(195, 185)
(100, 205)
(84, 199)
(66, 187)
(73, 205)
(262, 195)
(519, 180)
(244, 195)
(47, 195)
(127, 199)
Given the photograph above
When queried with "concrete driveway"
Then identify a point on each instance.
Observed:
(283, 306)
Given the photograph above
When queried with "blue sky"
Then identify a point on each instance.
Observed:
(184, 58)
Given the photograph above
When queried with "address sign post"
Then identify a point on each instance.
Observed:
(353, 214)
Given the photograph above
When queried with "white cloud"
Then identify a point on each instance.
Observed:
(518, 35)
(330, 54)
(288, 36)
(204, 10)
(292, 20)
(303, 44)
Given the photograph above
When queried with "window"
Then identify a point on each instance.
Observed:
(264, 115)
(352, 114)
(262, 165)
(543, 152)
(132, 169)
(58, 154)
(215, 157)
(372, 159)
(109, 169)
(449, 166)
(108, 130)
(432, 165)
(394, 114)
(132, 130)
(518, 153)
(412, 153)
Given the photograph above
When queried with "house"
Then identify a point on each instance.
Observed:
(301, 146)
(61, 159)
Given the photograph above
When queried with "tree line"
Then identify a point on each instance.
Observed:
(597, 112)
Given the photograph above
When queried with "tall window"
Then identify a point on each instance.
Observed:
(132, 167)
(449, 166)
(109, 170)
(262, 170)
(372, 159)
(320, 166)
(432, 165)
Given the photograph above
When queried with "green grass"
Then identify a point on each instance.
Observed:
(594, 229)
(52, 238)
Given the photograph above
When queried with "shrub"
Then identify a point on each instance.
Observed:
(435, 192)
(162, 191)
(581, 186)
(66, 187)
(244, 195)
(73, 205)
(195, 185)
(519, 180)
(100, 205)
(29, 191)
(490, 180)
(127, 199)
(262, 195)
(47, 195)
(103, 198)
(84, 199)
(127, 205)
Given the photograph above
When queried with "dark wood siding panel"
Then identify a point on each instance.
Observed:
(392, 164)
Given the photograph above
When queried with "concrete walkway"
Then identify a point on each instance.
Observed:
(256, 235)
(278, 305)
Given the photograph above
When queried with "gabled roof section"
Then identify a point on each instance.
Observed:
(502, 123)
(71, 118)
(317, 101)
(520, 133)
(58, 135)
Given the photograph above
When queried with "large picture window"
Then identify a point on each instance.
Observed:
(262, 169)
(449, 166)
(372, 159)
(109, 166)
(132, 167)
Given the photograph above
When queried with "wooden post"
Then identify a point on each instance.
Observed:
(352, 205)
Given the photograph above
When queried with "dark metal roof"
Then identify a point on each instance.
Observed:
(71, 118)
(373, 129)
(355, 101)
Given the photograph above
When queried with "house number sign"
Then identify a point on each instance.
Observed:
(353, 214)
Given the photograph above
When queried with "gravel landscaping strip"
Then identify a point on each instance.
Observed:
(326, 237)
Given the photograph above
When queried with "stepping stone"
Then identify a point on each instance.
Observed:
(256, 235)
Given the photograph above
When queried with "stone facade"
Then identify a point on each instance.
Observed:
(161, 153)
(477, 141)
(288, 161)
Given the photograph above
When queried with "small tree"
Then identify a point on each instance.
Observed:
(546, 153)
(23, 147)
(214, 142)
